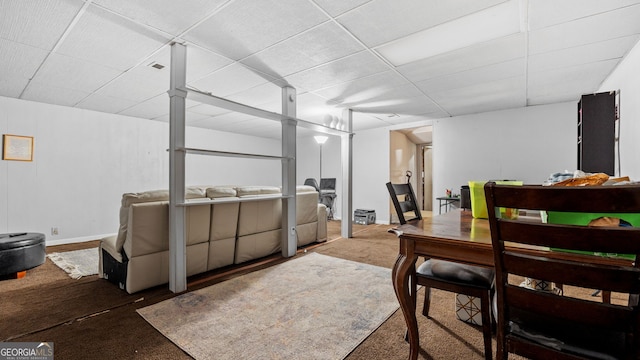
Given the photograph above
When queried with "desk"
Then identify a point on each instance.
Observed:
(447, 203)
(454, 236)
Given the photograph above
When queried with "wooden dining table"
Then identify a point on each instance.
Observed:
(454, 236)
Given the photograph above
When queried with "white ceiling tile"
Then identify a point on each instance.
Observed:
(335, 8)
(476, 56)
(559, 96)
(19, 61)
(206, 110)
(12, 87)
(150, 109)
(190, 118)
(422, 119)
(74, 73)
(170, 16)
(242, 124)
(474, 76)
(139, 84)
(571, 80)
(543, 13)
(246, 26)
(230, 80)
(389, 95)
(483, 97)
(406, 106)
(381, 21)
(586, 30)
(262, 96)
(53, 95)
(324, 43)
(348, 68)
(104, 38)
(604, 50)
(364, 88)
(362, 121)
(201, 62)
(37, 23)
(105, 104)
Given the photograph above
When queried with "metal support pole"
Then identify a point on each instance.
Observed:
(320, 177)
(289, 236)
(347, 173)
(177, 242)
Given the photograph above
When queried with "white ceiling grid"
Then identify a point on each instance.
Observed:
(98, 54)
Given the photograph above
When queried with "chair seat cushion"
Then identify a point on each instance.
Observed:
(587, 342)
(453, 271)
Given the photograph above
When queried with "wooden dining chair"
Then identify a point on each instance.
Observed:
(445, 275)
(546, 325)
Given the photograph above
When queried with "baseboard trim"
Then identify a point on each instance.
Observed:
(76, 240)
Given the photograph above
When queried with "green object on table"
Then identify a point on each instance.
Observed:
(583, 219)
(478, 200)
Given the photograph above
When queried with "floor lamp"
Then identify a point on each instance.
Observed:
(320, 139)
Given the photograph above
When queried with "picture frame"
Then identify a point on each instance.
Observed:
(17, 147)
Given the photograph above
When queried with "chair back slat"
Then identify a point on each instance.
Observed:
(568, 255)
(611, 278)
(404, 201)
(551, 306)
(618, 240)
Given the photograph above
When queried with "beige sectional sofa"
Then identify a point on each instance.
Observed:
(232, 231)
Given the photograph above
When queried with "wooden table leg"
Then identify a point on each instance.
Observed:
(401, 274)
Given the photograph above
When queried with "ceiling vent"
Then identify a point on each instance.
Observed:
(156, 65)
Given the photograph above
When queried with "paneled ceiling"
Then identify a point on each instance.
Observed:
(391, 61)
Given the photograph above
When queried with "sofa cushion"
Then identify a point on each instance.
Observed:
(257, 190)
(148, 229)
(255, 246)
(129, 199)
(305, 189)
(306, 207)
(216, 192)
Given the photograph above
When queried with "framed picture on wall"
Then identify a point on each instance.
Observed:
(17, 147)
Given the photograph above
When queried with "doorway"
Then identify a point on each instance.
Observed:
(427, 176)
(411, 153)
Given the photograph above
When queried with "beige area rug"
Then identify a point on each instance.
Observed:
(311, 307)
(77, 263)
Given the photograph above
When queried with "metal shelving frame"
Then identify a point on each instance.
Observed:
(178, 93)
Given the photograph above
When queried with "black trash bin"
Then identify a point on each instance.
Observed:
(465, 197)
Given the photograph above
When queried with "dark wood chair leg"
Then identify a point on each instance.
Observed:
(485, 304)
(427, 301)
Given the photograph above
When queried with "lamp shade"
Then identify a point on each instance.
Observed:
(320, 139)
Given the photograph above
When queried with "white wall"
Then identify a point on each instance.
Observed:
(626, 78)
(525, 144)
(85, 160)
(371, 172)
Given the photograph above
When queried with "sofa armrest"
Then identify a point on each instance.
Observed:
(322, 223)
(108, 244)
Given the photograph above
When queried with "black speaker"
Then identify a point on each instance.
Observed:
(465, 197)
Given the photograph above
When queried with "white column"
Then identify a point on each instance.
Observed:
(177, 242)
(347, 173)
(289, 236)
